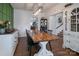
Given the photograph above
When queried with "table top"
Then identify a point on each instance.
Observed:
(42, 36)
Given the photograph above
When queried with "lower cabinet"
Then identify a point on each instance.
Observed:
(66, 42)
(71, 41)
(74, 45)
(8, 43)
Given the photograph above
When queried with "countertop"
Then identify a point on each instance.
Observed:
(8, 32)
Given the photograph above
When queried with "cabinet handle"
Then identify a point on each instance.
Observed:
(69, 41)
(14, 41)
(68, 34)
(15, 37)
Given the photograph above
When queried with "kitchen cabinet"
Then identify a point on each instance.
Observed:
(71, 27)
(8, 43)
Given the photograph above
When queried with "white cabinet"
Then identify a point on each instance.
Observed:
(71, 27)
(66, 40)
(8, 43)
(71, 40)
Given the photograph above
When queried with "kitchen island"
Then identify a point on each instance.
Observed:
(8, 43)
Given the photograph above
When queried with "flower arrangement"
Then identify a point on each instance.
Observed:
(3, 24)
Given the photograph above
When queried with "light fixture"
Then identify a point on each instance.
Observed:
(37, 12)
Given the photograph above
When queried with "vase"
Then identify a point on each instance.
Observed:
(2, 30)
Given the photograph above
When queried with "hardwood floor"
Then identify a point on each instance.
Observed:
(56, 46)
(21, 49)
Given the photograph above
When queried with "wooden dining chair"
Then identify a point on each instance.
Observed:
(30, 42)
(49, 32)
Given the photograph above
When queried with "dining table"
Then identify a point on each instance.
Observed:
(43, 38)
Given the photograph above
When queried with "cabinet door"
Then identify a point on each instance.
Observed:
(74, 45)
(5, 45)
(1, 47)
(76, 42)
(66, 41)
(8, 44)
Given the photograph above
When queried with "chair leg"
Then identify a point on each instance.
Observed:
(50, 46)
(36, 48)
(30, 51)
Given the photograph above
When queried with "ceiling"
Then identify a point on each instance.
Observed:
(33, 6)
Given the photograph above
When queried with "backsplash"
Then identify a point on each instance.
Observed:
(6, 13)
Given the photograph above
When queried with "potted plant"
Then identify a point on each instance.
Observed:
(3, 25)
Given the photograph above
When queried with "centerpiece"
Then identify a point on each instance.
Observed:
(3, 25)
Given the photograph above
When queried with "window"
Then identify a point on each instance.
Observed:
(75, 20)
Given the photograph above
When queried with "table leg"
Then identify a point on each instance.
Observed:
(43, 51)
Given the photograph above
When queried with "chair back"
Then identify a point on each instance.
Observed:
(49, 31)
(29, 39)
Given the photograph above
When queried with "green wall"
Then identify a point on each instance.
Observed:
(6, 13)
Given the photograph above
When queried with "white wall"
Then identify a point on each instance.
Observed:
(53, 23)
(39, 16)
(53, 18)
(56, 9)
(22, 20)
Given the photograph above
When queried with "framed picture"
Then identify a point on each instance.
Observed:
(60, 19)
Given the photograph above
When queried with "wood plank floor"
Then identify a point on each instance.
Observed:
(56, 45)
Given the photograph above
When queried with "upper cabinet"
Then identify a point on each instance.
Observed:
(71, 18)
(75, 19)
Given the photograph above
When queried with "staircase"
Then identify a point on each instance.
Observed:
(59, 29)
(60, 35)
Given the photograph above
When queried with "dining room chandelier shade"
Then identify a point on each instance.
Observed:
(38, 11)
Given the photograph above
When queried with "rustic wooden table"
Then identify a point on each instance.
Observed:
(43, 38)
